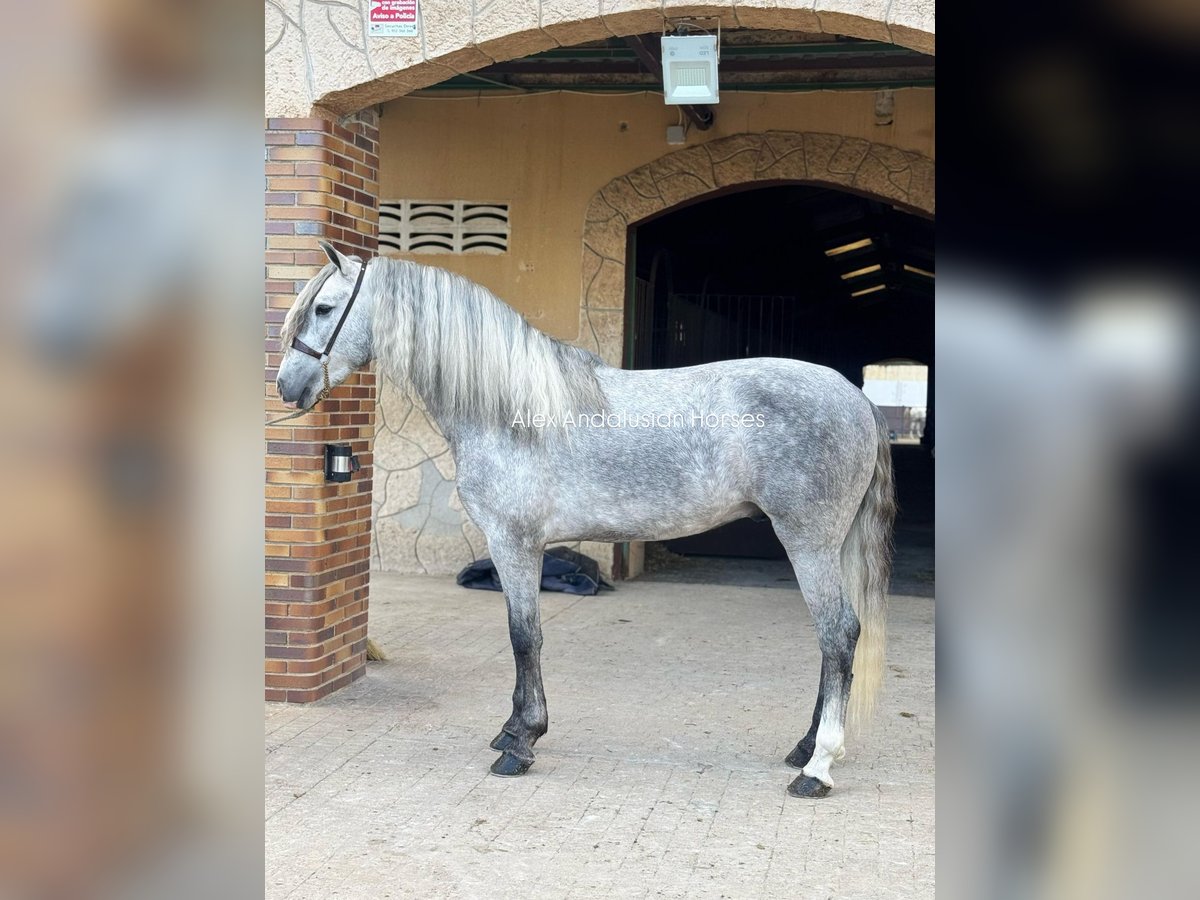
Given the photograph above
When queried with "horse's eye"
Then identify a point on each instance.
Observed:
(324, 310)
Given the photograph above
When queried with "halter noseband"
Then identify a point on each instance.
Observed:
(323, 356)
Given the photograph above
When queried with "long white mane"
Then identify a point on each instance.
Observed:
(468, 355)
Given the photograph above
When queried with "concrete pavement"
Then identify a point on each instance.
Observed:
(671, 709)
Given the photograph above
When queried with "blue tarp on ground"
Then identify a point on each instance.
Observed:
(562, 570)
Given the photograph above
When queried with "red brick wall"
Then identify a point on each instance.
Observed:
(322, 181)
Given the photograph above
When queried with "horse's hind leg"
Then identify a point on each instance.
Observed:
(820, 577)
(803, 750)
(520, 569)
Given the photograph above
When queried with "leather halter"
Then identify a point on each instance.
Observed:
(323, 356)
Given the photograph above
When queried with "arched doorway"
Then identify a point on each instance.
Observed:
(327, 63)
(901, 179)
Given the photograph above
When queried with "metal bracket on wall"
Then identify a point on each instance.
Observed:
(885, 107)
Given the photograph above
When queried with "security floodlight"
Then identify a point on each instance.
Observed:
(340, 462)
(689, 69)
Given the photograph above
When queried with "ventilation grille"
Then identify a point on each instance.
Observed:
(443, 226)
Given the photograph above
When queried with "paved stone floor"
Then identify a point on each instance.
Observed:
(671, 709)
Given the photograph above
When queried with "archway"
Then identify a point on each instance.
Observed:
(902, 177)
(319, 58)
(838, 180)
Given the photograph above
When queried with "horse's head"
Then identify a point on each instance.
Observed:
(311, 325)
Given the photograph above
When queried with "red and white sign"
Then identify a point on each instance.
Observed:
(392, 18)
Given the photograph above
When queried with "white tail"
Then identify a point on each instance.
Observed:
(866, 568)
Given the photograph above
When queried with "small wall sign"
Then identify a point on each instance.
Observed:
(392, 18)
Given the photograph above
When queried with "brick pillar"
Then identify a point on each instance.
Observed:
(322, 181)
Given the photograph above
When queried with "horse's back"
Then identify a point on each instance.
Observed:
(679, 451)
(767, 425)
(784, 392)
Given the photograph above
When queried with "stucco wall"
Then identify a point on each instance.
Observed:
(547, 156)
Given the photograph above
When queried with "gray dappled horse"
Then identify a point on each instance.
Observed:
(550, 444)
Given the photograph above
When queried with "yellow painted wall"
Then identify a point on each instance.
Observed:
(547, 154)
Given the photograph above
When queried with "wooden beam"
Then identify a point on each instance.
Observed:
(729, 65)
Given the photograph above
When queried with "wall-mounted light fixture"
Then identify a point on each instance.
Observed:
(340, 462)
(690, 67)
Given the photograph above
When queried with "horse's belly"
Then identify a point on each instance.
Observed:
(648, 524)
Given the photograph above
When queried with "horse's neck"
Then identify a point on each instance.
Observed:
(451, 422)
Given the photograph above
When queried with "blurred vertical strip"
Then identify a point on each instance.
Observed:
(1068, 682)
(130, 538)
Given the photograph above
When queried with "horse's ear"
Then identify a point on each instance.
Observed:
(336, 258)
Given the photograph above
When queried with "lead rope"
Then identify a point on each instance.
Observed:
(324, 394)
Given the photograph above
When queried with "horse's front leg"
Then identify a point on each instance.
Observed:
(520, 568)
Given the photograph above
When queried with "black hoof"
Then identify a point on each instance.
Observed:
(807, 786)
(799, 756)
(503, 741)
(508, 766)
